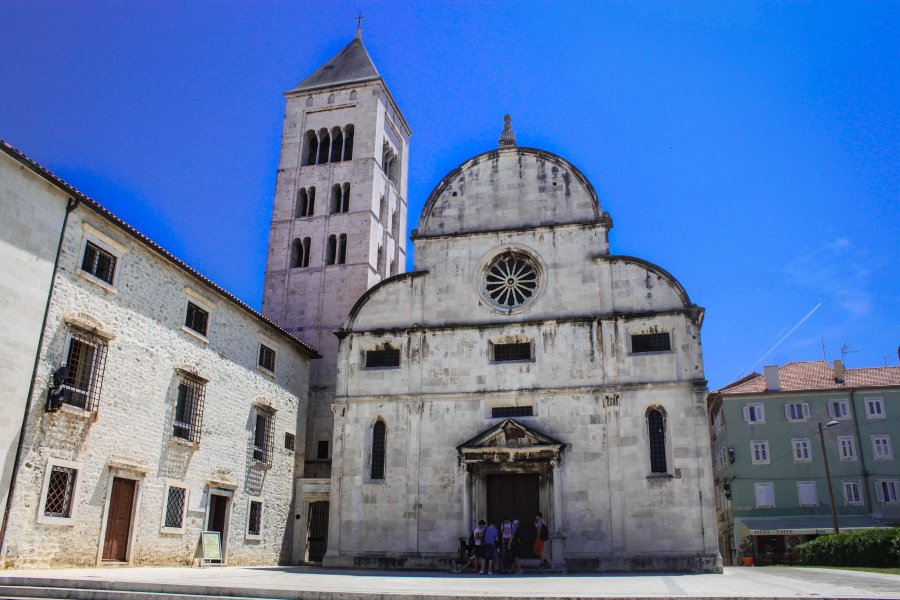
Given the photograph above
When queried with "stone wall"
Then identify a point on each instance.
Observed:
(130, 434)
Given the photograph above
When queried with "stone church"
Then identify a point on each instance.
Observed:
(520, 367)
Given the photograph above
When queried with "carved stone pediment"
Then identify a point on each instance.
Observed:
(510, 441)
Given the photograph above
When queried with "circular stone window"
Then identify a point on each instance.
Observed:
(510, 281)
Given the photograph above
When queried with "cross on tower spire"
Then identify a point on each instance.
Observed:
(359, 20)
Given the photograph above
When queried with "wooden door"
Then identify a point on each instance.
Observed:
(515, 496)
(118, 520)
(317, 531)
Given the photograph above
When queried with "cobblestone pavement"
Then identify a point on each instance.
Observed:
(735, 582)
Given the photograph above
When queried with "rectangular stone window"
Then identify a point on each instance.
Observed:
(176, 502)
(759, 452)
(60, 492)
(288, 441)
(838, 409)
(82, 376)
(765, 495)
(189, 409)
(887, 491)
(802, 451)
(754, 413)
(874, 408)
(499, 412)
(388, 357)
(806, 492)
(266, 358)
(196, 318)
(847, 447)
(512, 352)
(852, 493)
(98, 262)
(881, 446)
(650, 342)
(262, 436)
(322, 450)
(796, 411)
(254, 525)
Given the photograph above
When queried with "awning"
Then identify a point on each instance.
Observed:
(806, 525)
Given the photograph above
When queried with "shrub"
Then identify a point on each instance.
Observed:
(864, 548)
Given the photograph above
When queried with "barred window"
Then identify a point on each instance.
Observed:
(85, 363)
(657, 429)
(60, 491)
(266, 358)
(98, 262)
(378, 450)
(254, 518)
(196, 318)
(512, 352)
(175, 504)
(262, 436)
(388, 357)
(189, 409)
(650, 342)
(512, 411)
(289, 441)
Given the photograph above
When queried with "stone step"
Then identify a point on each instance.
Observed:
(82, 590)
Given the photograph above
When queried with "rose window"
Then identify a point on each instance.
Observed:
(510, 281)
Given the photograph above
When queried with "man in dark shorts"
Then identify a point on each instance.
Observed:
(490, 549)
(478, 534)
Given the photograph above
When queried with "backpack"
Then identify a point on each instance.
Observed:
(545, 533)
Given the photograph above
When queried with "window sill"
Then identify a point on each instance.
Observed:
(56, 521)
(524, 361)
(884, 458)
(660, 476)
(266, 371)
(176, 441)
(108, 287)
(397, 368)
(171, 531)
(77, 411)
(654, 353)
(261, 465)
(195, 334)
(253, 538)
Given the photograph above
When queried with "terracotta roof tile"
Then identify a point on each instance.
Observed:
(816, 375)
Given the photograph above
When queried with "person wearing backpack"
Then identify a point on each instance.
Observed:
(542, 534)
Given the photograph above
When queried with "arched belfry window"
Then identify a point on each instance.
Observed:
(335, 198)
(379, 439)
(324, 146)
(297, 254)
(311, 207)
(331, 250)
(345, 198)
(306, 244)
(342, 249)
(302, 203)
(337, 144)
(348, 142)
(656, 428)
(312, 148)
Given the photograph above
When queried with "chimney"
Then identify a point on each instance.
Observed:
(773, 381)
(838, 371)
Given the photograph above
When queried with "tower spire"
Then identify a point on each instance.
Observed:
(359, 20)
(508, 136)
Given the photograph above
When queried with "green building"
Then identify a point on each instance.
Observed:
(771, 483)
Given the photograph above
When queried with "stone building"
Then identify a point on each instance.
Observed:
(772, 487)
(522, 367)
(160, 406)
(338, 228)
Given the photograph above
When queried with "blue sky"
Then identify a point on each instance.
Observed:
(751, 149)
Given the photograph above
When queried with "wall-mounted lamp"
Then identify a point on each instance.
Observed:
(731, 455)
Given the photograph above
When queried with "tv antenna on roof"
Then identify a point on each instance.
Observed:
(847, 349)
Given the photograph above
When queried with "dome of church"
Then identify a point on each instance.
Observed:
(511, 187)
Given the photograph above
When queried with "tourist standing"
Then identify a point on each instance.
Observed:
(515, 547)
(542, 534)
(490, 548)
(478, 534)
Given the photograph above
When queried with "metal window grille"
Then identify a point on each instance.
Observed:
(389, 357)
(99, 263)
(262, 437)
(189, 409)
(266, 358)
(378, 447)
(59, 492)
(322, 450)
(196, 318)
(85, 364)
(289, 441)
(175, 507)
(254, 524)
(512, 411)
(650, 342)
(657, 429)
(510, 352)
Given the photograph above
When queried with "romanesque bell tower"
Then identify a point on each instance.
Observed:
(339, 220)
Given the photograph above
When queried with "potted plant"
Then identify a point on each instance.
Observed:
(746, 551)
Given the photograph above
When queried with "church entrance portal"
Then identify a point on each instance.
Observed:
(515, 496)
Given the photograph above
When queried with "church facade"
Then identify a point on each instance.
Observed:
(520, 367)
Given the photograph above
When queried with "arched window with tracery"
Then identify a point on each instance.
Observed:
(656, 428)
(348, 142)
(331, 250)
(342, 249)
(297, 254)
(379, 443)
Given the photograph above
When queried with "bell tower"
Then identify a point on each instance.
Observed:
(339, 218)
